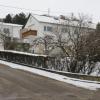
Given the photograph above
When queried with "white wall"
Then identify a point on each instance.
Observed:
(57, 29)
(1, 45)
(29, 39)
(14, 30)
(32, 24)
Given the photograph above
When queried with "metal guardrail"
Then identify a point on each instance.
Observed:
(39, 62)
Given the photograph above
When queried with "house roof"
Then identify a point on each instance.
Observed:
(47, 19)
(10, 24)
(54, 20)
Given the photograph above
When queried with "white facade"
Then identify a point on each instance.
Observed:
(37, 22)
(13, 30)
(45, 24)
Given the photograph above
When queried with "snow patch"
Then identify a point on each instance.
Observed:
(24, 53)
(96, 71)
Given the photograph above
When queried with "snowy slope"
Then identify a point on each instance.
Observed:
(77, 82)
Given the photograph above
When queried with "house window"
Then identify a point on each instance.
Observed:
(48, 28)
(64, 30)
(44, 28)
(6, 30)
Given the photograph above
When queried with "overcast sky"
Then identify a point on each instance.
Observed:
(57, 7)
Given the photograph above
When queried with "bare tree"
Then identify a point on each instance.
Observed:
(46, 40)
(77, 30)
(92, 49)
(6, 39)
(72, 38)
(4, 36)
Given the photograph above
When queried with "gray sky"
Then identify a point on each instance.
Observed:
(57, 7)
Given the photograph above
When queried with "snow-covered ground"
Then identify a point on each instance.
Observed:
(77, 82)
(96, 71)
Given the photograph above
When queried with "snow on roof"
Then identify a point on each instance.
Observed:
(54, 20)
(25, 53)
(46, 19)
(10, 24)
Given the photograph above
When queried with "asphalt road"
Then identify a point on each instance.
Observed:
(21, 85)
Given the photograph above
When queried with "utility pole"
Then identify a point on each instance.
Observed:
(48, 11)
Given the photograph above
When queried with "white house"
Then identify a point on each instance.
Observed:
(12, 29)
(37, 25)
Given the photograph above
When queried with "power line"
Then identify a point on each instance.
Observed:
(47, 11)
(21, 8)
